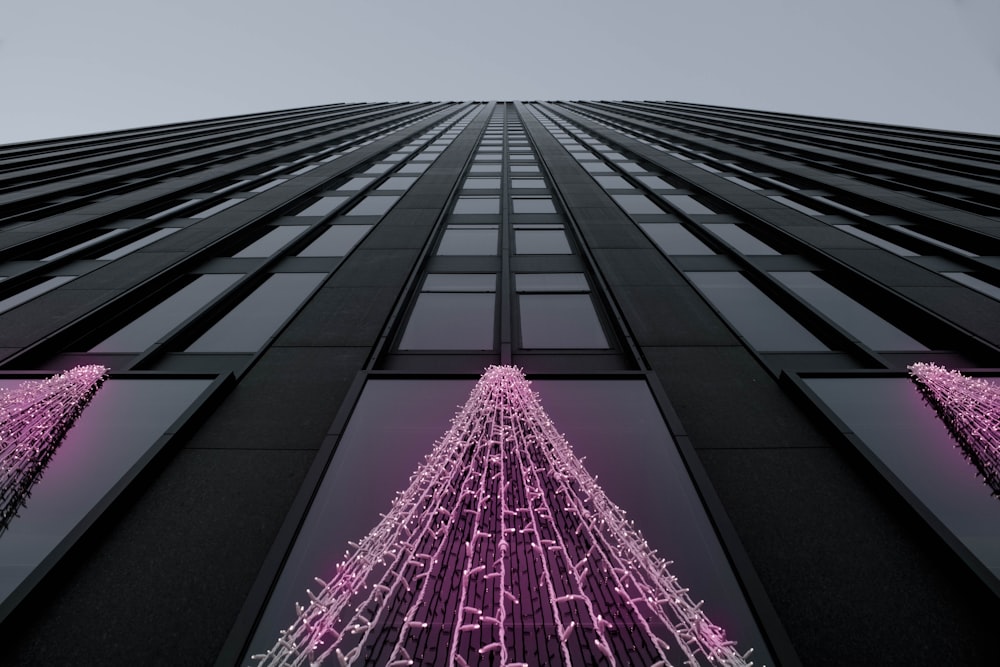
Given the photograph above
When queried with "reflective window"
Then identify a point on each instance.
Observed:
(249, 325)
(477, 205)
(975, 283)
(758, 319)
(270, 184)
(461, 240)
(377, 169)
(533, 205)
(221, 206)
(551, 282)
(455, 311)
(273, 241)
(140, 243)
(802, 208)
(655, 182)
(158, 321)
(359, 183)
(559, 321)
(323, 206)
(30, 293)
(613, 182)
(597, 167)
(413, 168)
(847, 313)
(876, 241)
(523, 169)
(397, 183)
(687, 204)
(673, 239)
(527, 183)
(541, 242)
(637, 204)
(337, 241)
(373, 205)
(740, 239)
(84, 245)
(482, 184)
(484, 169)
(739, 181)
(909, 231)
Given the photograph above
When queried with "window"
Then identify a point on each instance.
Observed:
(30, 293)
(758, 319)
(359, 183)
(876, 241)
(221, 206)
(477, 205)
(272, 241)
(847, 313)
(740, 239)
(637, 204)
(413, 168)
(557, 312)
(790, 203)
(527, 183)
(337, 241)
(248, 326)
(323, 206)
(84, 245)
(541, 242)
(673, 239)
(533, 205)
(454, 311)
(397, 183)
(968, 280)
(469, 240)
(687, 204)
(159, 320)
(140, 243)
(482, 184)
(373, 205)
(613, 182)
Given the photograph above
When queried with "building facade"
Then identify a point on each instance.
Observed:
(716, 307)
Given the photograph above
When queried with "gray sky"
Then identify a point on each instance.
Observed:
(72, 66)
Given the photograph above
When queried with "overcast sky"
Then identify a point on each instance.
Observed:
(77, 66)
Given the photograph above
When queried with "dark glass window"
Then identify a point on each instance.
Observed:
(740, 239)
(248, 326)
(876, 240)
(527, 183)
(413, 168)
(523, 169)
(271, 242)
(482, 184)
(374, 205)
(455, 311)
(986, 288)
(613, 182)
(762, 322)
(337, 241)
(323, 206)
(140, 243)
(673, 239)
(155, 323)
(463, 240)
(484, 169)
(687, 204)
(655, 182)
(359, 183)
(637, 204)
(847, 313)
(477, 205)
(557, 312)
(533, 205)
(84, 245)
(541, 242)
(30, 293)
(221, 206)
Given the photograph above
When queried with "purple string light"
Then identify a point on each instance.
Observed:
(34, 417)
(503, 550)
(970, 407)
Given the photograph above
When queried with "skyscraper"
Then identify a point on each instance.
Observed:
(717, 308)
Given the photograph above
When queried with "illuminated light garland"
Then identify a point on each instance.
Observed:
(970, 407)
(503, 550)
(34, 417)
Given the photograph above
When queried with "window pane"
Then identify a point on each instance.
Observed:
(31, 292)
(482, 184)
(527, 183)
(481, 241)
(221, 206)
(673, 239)
(460, 282)
(141, 243)
(248, 326)
(271, 242)
(484, 169)
(373, 205)
(687, 204)
(637, 204)
(741, 239)
(477, 205)
(551, 282)
(169, 313)
(758, 319)
(523, 169)
(541, 242)
(450, 321)
(397, 183)
(537, 205)
(876, 240)
(613, 182)
(336, 241)
(359, 183)
(413, 168)
(975, 283)
(655, 182)
(560, 321)
(323, 206)
(850, 315)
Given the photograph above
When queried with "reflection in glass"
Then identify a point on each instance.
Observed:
(451, 321)
(34, 417)
(502, 521)
(35, 290)
(140, 243)
(673, 239)
(337, 241)
(249, 325)
(560, 321)
(155, 323)
(271, 242)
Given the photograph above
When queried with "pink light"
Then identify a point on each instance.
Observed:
(503, 550)
(34, 417)
(970, 407)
